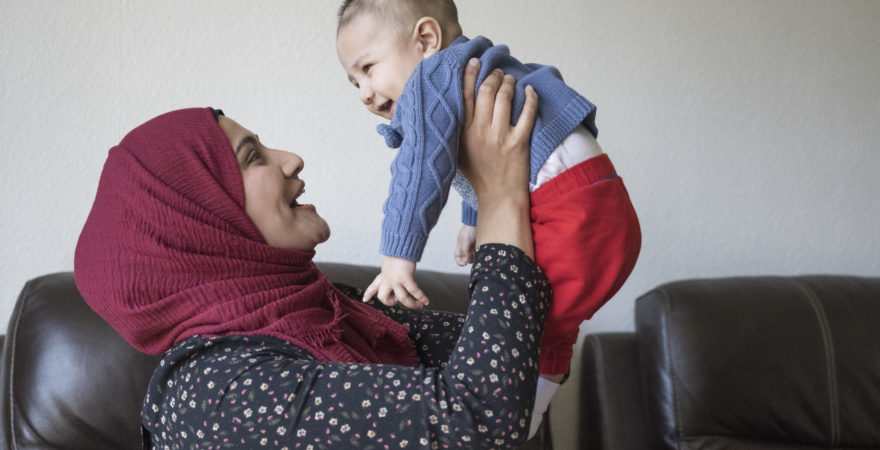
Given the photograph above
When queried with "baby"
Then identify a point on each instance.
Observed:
(406, 58)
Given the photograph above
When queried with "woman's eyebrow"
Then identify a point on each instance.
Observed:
(249, 139)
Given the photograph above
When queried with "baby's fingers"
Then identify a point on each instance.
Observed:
(464, 254)
(386, 295)
(373, 288)
(404, 298)
(416, 293)
(470, 255)
(461, 257)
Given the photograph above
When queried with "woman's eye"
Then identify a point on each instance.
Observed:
(253, 156)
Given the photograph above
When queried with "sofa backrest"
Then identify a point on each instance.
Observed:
(762, 362)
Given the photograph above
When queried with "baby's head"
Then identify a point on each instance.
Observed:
(380, 43)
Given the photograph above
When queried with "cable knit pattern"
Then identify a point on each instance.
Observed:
(427, 126)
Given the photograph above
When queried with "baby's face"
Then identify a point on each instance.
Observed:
(378, 61)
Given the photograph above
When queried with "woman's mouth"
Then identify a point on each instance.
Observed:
(294, 203)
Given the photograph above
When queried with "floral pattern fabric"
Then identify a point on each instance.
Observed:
(474, 388)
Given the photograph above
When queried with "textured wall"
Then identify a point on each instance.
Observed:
(746, 131)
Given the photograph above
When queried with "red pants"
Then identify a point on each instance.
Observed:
(587, 239)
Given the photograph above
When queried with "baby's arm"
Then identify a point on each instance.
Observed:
(421, 176)
(396, 284)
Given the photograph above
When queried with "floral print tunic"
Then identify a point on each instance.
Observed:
(474, 388)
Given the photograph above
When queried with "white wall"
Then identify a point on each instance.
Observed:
(747, 132)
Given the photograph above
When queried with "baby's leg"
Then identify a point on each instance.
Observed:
(587, 239)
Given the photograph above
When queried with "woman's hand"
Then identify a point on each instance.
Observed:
(494, 157)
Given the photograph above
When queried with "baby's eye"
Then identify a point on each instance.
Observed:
(367, 67)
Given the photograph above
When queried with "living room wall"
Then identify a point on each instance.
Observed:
(747, 132)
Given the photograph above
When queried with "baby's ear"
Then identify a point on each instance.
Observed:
(429, 36)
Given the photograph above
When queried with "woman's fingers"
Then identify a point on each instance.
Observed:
(469, 84)
(523, 128)
(486, 97)
(503, 100)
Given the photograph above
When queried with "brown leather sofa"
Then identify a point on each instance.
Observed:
(71, 382)
(761, 363)
(754, 363)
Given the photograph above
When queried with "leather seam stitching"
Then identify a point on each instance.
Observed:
(827, 340)
(672, 369)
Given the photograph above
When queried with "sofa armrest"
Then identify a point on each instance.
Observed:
(762, 362)
(68, 377)
(611, 400)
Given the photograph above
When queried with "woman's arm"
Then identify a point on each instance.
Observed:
(494, 157)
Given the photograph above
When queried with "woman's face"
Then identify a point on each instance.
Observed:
(271, 189)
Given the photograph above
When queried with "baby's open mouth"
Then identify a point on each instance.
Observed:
(386, 107)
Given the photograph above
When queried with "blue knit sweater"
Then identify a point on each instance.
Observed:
(427, 126)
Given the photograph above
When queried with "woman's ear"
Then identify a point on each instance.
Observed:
(429, 36)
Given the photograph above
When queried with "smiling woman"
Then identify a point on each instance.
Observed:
(197, 248)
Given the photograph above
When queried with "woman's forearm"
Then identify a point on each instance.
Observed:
(506, 220)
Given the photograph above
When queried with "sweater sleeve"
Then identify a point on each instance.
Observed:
(468, 214)
(428, 122)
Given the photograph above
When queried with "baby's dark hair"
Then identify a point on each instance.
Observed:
(403, 14)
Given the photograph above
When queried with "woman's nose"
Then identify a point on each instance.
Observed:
(291, 164)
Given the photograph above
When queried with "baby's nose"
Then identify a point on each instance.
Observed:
(367, 95)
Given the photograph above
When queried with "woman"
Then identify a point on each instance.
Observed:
(196, 246)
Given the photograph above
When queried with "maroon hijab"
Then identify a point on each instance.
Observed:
(168, 252)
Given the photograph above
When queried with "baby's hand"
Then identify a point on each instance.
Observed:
(464, 247)
(395, 283)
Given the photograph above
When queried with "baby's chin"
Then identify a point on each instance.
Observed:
(383, 114)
